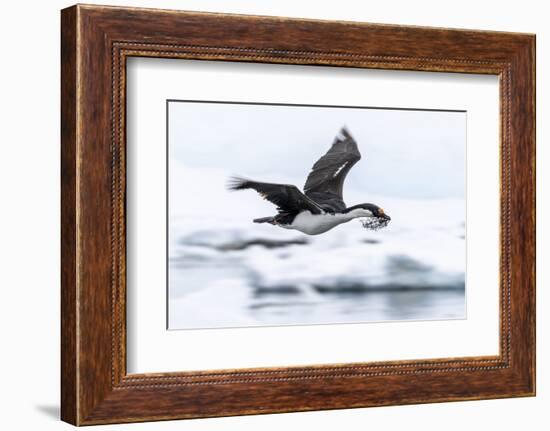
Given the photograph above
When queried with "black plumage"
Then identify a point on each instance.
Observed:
(325, 182)
(323, 192)
(288, 198)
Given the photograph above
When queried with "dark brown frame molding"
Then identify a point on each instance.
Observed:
(95, 43)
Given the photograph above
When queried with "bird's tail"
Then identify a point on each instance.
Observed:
(270, 220)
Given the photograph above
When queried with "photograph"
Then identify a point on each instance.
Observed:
(295, 214)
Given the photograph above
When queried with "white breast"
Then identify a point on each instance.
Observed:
(314, 224)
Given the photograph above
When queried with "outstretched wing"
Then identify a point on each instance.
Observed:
(286, 196)
(329, 172)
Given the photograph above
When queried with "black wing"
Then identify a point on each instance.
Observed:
(329, 172)
(286, 196)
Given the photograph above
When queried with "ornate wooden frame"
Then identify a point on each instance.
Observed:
(95, 42)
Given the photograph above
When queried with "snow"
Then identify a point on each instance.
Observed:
(222, 264)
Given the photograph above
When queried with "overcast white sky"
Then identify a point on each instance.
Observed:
(410, 154)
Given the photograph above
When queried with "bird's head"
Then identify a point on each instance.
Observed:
(372, 216)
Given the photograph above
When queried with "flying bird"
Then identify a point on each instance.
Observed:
(321, 206)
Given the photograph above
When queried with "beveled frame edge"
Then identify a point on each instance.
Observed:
(96, 41)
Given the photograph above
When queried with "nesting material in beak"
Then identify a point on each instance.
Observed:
(375, 223)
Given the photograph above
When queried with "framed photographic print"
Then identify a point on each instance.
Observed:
(264, 214)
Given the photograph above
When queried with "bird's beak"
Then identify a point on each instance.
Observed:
(386, 217)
